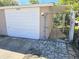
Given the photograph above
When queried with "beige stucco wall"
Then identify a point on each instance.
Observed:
(45, 29)
(3, 30)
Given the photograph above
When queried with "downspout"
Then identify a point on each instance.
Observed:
(45, 16)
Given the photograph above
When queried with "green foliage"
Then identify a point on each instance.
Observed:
(34, 1)
(8, 2)
(67, 20)
(77, 18)
(74, 3)
(58, 19)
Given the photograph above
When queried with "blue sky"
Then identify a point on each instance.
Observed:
(22, 2)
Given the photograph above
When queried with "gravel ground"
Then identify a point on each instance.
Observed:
(39, 49)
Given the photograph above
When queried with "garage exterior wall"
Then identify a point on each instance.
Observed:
(45, 29)
(36, 26)
(15, 22)
(3, 30)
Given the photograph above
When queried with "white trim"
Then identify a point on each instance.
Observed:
(31, 5)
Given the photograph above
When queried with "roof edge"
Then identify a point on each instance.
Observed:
(29, 6)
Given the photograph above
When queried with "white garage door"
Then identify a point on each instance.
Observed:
(23, 23)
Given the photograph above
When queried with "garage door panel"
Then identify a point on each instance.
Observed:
(23, 23)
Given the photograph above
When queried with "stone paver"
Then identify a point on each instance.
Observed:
(57, 33)
(5, 54)
(35, 49)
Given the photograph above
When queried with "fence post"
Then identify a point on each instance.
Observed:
(72, 24)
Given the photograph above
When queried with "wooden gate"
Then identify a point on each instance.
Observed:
(58, 27)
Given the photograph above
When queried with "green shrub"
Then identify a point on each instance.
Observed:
(34, 1)
(77, 18)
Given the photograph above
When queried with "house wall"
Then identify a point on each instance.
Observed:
(23, 22)
(45, 23)
(3, 30)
